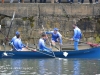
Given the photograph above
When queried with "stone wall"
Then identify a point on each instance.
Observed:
(29, 18)
(27, 9)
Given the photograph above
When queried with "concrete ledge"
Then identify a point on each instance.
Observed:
(27, 9)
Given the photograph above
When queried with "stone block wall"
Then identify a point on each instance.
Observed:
(29, 19)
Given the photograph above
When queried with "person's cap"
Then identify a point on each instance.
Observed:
(55, 29)
(17, 33)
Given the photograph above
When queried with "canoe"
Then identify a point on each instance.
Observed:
(86, 53)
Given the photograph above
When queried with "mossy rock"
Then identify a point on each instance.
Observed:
(32, 24)
(24, 18)
(97, 39)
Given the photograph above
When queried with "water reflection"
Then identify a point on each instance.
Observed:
(49, 67)
(42, 67)
(76, 67)
(16, 66)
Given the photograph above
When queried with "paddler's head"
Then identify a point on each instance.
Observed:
(44, 36)
(55, 30)
(74, 25)
(17, 34)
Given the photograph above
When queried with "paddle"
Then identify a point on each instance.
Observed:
(55, 47)
(5, 54)
(91, 44)
(6, 38)
(42, 52)
(64, 53)
(10, 26)
(46, 35)
(37, 50)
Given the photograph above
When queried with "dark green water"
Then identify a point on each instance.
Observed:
(49, 66)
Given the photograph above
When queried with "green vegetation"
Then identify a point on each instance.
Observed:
(31, 19)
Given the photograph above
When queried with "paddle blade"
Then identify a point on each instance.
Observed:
(13, 15)
(0, 27)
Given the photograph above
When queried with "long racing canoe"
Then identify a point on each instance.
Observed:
(86, 53)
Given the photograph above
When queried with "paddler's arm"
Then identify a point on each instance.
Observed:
(44, 47)
(75, 33)
(60, 40)
(49, 32)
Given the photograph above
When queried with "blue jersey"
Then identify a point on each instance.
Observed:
(18, 45)
(77, 34)
(13, 39)
(42, 46)
(55, 37)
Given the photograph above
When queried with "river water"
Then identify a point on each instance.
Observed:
(50, 66)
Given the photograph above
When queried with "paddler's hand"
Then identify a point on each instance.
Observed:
(47, 37)
(6, 38)
(27, 47)
(34, 50)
